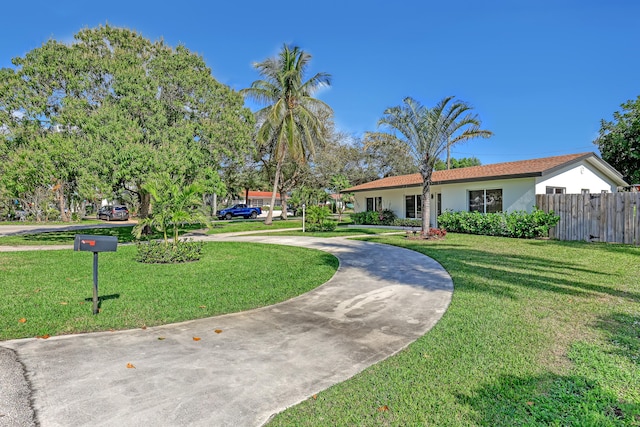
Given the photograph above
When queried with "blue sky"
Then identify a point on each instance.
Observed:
(541, 74)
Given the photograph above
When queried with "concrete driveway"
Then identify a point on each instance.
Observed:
(246, 366)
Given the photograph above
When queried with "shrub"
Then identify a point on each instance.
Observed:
(515, 224)
(317, 219)
(386, 217)
(435, 233)
(326, 226)
(357, 218)
(383, 217)
(431, 234)
(407, 222)
(154, 252)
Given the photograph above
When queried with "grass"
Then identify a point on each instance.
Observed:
(66, 237)
(123, 233)
(52, 290)
(538, 333)
(84, 221)
(235, 226)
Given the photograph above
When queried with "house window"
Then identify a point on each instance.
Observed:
(556, 190)
(485, 201)
(374, 203)
(413, 206)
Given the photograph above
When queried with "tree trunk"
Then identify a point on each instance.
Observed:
(426, 171)
(269, 219)
(426, 206)
(62, 205)
(145, 203)
(283, 201)
(83, 209)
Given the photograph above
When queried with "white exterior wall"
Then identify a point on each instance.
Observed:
(575, 179)
(391, 199)
(518, 194)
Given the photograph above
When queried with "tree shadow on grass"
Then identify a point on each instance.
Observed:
(549, 400)
(475, 268)
(614, 248)
(122, 233)
(504, 274)
(623, 332)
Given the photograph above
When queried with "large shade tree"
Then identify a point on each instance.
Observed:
(388, 155)
(428, 132)
(113, 109)
(290, 121)
(619, 141)
(41, 101)
(163, 110)
(453, 163)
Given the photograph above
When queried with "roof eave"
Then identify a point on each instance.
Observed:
(390, 187)
(596, 161)
(488, 178)
(452, 181)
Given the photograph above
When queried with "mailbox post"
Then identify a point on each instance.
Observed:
(95, 244)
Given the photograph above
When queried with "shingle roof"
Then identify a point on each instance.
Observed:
(523, 168)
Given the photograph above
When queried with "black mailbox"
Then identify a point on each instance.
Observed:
(95, 244)
(90, 243)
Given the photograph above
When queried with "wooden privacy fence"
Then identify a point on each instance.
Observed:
(606, 217)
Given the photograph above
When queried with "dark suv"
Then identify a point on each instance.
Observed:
(111, 213)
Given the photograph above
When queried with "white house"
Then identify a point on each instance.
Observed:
(501, 187)
(259, 198)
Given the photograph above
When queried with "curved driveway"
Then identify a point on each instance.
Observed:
(380, 300)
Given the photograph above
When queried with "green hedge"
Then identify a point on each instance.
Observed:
(384, 217)
(156, 252)
(407, 222)
(515, 224)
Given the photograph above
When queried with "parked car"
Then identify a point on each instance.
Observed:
(240, 209)
(111, 213)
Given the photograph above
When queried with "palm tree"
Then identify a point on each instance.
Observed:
(173, 204)
(430, 132)
(290, 121)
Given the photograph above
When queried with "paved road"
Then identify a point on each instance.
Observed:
(381, 299)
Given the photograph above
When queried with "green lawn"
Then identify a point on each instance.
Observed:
(235, 226)
(52, 290)
(124, 233)
(66, 237)
(85, 221)
(538, 333)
